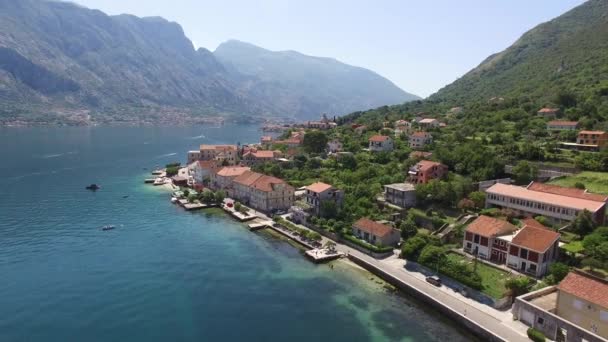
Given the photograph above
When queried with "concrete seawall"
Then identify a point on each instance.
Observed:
(475, 328)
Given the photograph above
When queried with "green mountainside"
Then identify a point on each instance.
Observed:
(66, 64)
(562, 63)
(567, 53)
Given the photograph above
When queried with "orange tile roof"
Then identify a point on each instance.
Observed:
(261, 154)
(535, 238)
(379, 138)
(549, 110)
(592, 132)
(530, 222)
(232, 171)
(585, 287)
(490, 227)
(219, 147)
(420, 154)
(562, 123)
(207, 164)
(318, 187)
(544, 197)
(424, 165)
(420, 134)
(427, 120)
(258, 181)
(564, 191)
(375, 228)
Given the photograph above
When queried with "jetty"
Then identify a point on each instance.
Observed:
(323, 254)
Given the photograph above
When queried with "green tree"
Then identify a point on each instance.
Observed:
(518, 286)
(411, 248)
(328, 209)
(172, 171)
(479, 198)
(220, 195)
(432, 256)
(583, 223)
(207, 196)
(408, 228)
(524, 172)
(314, 141)
(558, 271)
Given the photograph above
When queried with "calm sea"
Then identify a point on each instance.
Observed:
(164, 274)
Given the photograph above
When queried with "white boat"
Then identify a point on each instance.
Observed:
(173, 200)
(159, 181)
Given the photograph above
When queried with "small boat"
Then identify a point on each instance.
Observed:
(157, 172)
(127, 196)
(93, 187)
(173, 200)
(109, 227)
(149, 180)
(159, 181)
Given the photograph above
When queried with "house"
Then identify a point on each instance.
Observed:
(256, 157)
(426, 170)
(488, 238)
(533, 248)
(402, 195)
(359, 129)
(323, 125)
(548, 112)
(318, 193)
(420, 139)
(376, 233)
(193, 156)
(574, 310)
(295, 139)
(266, 140)
(583, 299)
(227, 154)
(202, 170)
(334, 146)
(403, 123)
(380, 143)
(429, 123)
(420, 155)
(597, 139)
(222, 179)
(558, 204)
(560, 125)
(263, 193)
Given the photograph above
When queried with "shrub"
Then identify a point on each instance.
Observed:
(412, 247)
(536, 335)
(366, 245)
(172, 171)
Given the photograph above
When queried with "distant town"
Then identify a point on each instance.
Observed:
(513, 257)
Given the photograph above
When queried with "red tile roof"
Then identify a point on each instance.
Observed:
(318, 187)
(562, 123)
(261, 154)
(420, 154)
(207, 164)
(545, 197)
(563, 191)
(375, 228)
(379, 138)
(490, 227)
(585, 287)
(535, 238)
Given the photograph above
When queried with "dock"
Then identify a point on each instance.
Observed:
(149, 180)
(259, 225)
(323, 254)
(197, 206)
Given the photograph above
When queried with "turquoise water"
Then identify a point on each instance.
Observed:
(164, 274)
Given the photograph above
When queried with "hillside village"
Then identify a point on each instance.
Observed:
(386, 188)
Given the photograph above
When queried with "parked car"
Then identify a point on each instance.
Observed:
(434, 280)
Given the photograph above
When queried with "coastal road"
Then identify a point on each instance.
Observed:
(499, 322)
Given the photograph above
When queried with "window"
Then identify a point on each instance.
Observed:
(540, 320)
(577, 304)
(523, 253)
(604, 316)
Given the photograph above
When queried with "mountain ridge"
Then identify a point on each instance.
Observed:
(64, 63)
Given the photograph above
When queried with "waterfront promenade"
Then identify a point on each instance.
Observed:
(480, 316)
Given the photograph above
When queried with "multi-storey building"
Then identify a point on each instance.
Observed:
(426, 170)
(400, 194)
(379, 143)
(318, 193)
(221, 153)
(597, 139)
(420, 139)
(263, 193)
(558, 204)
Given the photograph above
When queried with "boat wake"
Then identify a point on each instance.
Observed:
(166, 155)
(202, 136)
(57, 155)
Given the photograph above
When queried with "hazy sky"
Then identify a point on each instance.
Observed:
(420, 45)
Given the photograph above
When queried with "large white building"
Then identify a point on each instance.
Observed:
(557, 203)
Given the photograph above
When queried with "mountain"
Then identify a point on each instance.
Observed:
(63, 63)
(566, 54)
(304, 86)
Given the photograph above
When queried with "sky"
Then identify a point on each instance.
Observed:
(420, 45)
